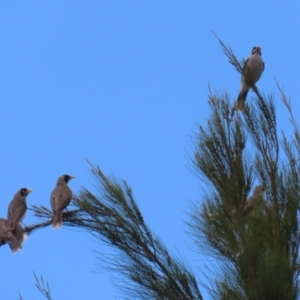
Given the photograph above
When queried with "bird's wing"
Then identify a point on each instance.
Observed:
(3, 230)
(245, 64)
(66, 197)
(244, 67)
(17, 212)
(55, 199)
(60, 198)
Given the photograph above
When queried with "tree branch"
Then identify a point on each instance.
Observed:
(114, 217)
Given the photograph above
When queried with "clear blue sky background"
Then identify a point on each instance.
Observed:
(123, 84)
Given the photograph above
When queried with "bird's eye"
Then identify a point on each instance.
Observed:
(23, 191)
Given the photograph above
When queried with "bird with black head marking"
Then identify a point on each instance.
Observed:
(252, 70)
(7, 235)
(61, 197)
(17, 207)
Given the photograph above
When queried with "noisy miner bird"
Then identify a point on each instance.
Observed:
(17, 207)
(252, 70)
(253, 200)
(7, 235)
(60, 198)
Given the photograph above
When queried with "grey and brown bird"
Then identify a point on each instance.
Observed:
(7, 235)
(254, 200)
(17, 207)
(252, 70)
(60, 198)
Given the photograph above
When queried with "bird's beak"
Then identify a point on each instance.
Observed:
(29, 191)
(71, 177)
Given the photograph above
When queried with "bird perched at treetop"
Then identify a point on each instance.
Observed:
(60, 198)
(252, 70)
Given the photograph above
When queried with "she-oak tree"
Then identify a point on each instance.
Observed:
(247, 218)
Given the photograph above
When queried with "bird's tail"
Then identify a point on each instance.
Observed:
(19, 234)
(16, 238)
(57, 220)
(240, 102)
(14, 244)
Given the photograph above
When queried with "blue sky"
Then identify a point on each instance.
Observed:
(123, 84)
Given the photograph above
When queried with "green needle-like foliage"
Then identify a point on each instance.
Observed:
(113, 216)
(256, 245)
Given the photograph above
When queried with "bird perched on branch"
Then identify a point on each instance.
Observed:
(17, 207)
(252, 70)
(7, 235)
(16, 212)
(60, 198)
(253, 200)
